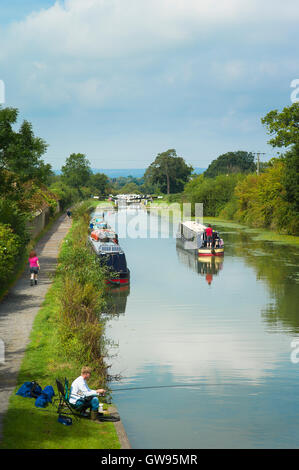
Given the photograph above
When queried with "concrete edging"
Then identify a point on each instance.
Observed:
(121, 433)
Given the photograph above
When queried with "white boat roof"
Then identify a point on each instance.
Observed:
(194, 226)
(105, 247)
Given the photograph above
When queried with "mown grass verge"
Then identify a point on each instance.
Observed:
(68, 332)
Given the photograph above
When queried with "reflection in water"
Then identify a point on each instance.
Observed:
(179, 329)
(116, 300)
(206, 266)
(277, 266)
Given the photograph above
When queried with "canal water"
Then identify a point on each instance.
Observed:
(215, 341)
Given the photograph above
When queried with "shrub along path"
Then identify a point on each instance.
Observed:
(19, 308)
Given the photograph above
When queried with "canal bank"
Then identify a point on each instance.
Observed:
(20, 307)
(227, 344)
(46, 359)
(163, 208)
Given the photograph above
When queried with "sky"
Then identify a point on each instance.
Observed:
(124, 80)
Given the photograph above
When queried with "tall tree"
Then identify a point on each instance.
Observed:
(25, 155)
(284, 130)
(76, 172)
(283, 126)
(8, 117)
(168, 171)
(20, 152)
(231, 162)
(99, 182)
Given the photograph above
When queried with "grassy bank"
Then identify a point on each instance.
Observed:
(257, 234)
(68, 332)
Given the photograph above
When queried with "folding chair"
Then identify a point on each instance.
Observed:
(64, 405)
(67, 408)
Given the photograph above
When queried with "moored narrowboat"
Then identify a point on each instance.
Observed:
(104, 235)
(112, 256)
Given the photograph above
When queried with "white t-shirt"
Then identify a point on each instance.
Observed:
(80, 389)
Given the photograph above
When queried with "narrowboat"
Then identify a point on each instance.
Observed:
(193, 236)
(112, 256)
(104, 235)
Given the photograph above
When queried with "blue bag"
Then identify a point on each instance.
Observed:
(29, 389)
(45, 397)
(66, 420)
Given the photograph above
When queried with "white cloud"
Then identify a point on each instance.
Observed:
(149, 58)
(106, 28)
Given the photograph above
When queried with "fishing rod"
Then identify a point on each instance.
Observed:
(166, 386)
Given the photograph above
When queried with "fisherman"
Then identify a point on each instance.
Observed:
(81, 394)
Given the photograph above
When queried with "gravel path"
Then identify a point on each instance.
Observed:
(19, 307)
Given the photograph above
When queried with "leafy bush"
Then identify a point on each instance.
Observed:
(82, 298)
(262, 201)
(65, 193)
(82, 210)
(213, 193)
(12, 215)
(9, 249)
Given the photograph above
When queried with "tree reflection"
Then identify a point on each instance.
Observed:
(277, 266)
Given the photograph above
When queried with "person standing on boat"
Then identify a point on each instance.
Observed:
(214, 239)
(209, 234)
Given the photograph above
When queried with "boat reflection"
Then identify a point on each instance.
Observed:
(116, 299)
(207, 267)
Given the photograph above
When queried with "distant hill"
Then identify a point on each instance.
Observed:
(135, 172)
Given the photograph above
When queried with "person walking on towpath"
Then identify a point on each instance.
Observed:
(34, 267)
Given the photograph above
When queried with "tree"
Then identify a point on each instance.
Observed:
(21, 152)
(231, 162)
(8, 117)
(76, 172)
(129, 188)
(291, 177)
(10, 244)
(213, 193)
(99, 183)
(169, 171)
(284, 129)
(284, 126)
(262, 200)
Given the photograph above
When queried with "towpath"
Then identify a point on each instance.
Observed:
(19, 308)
